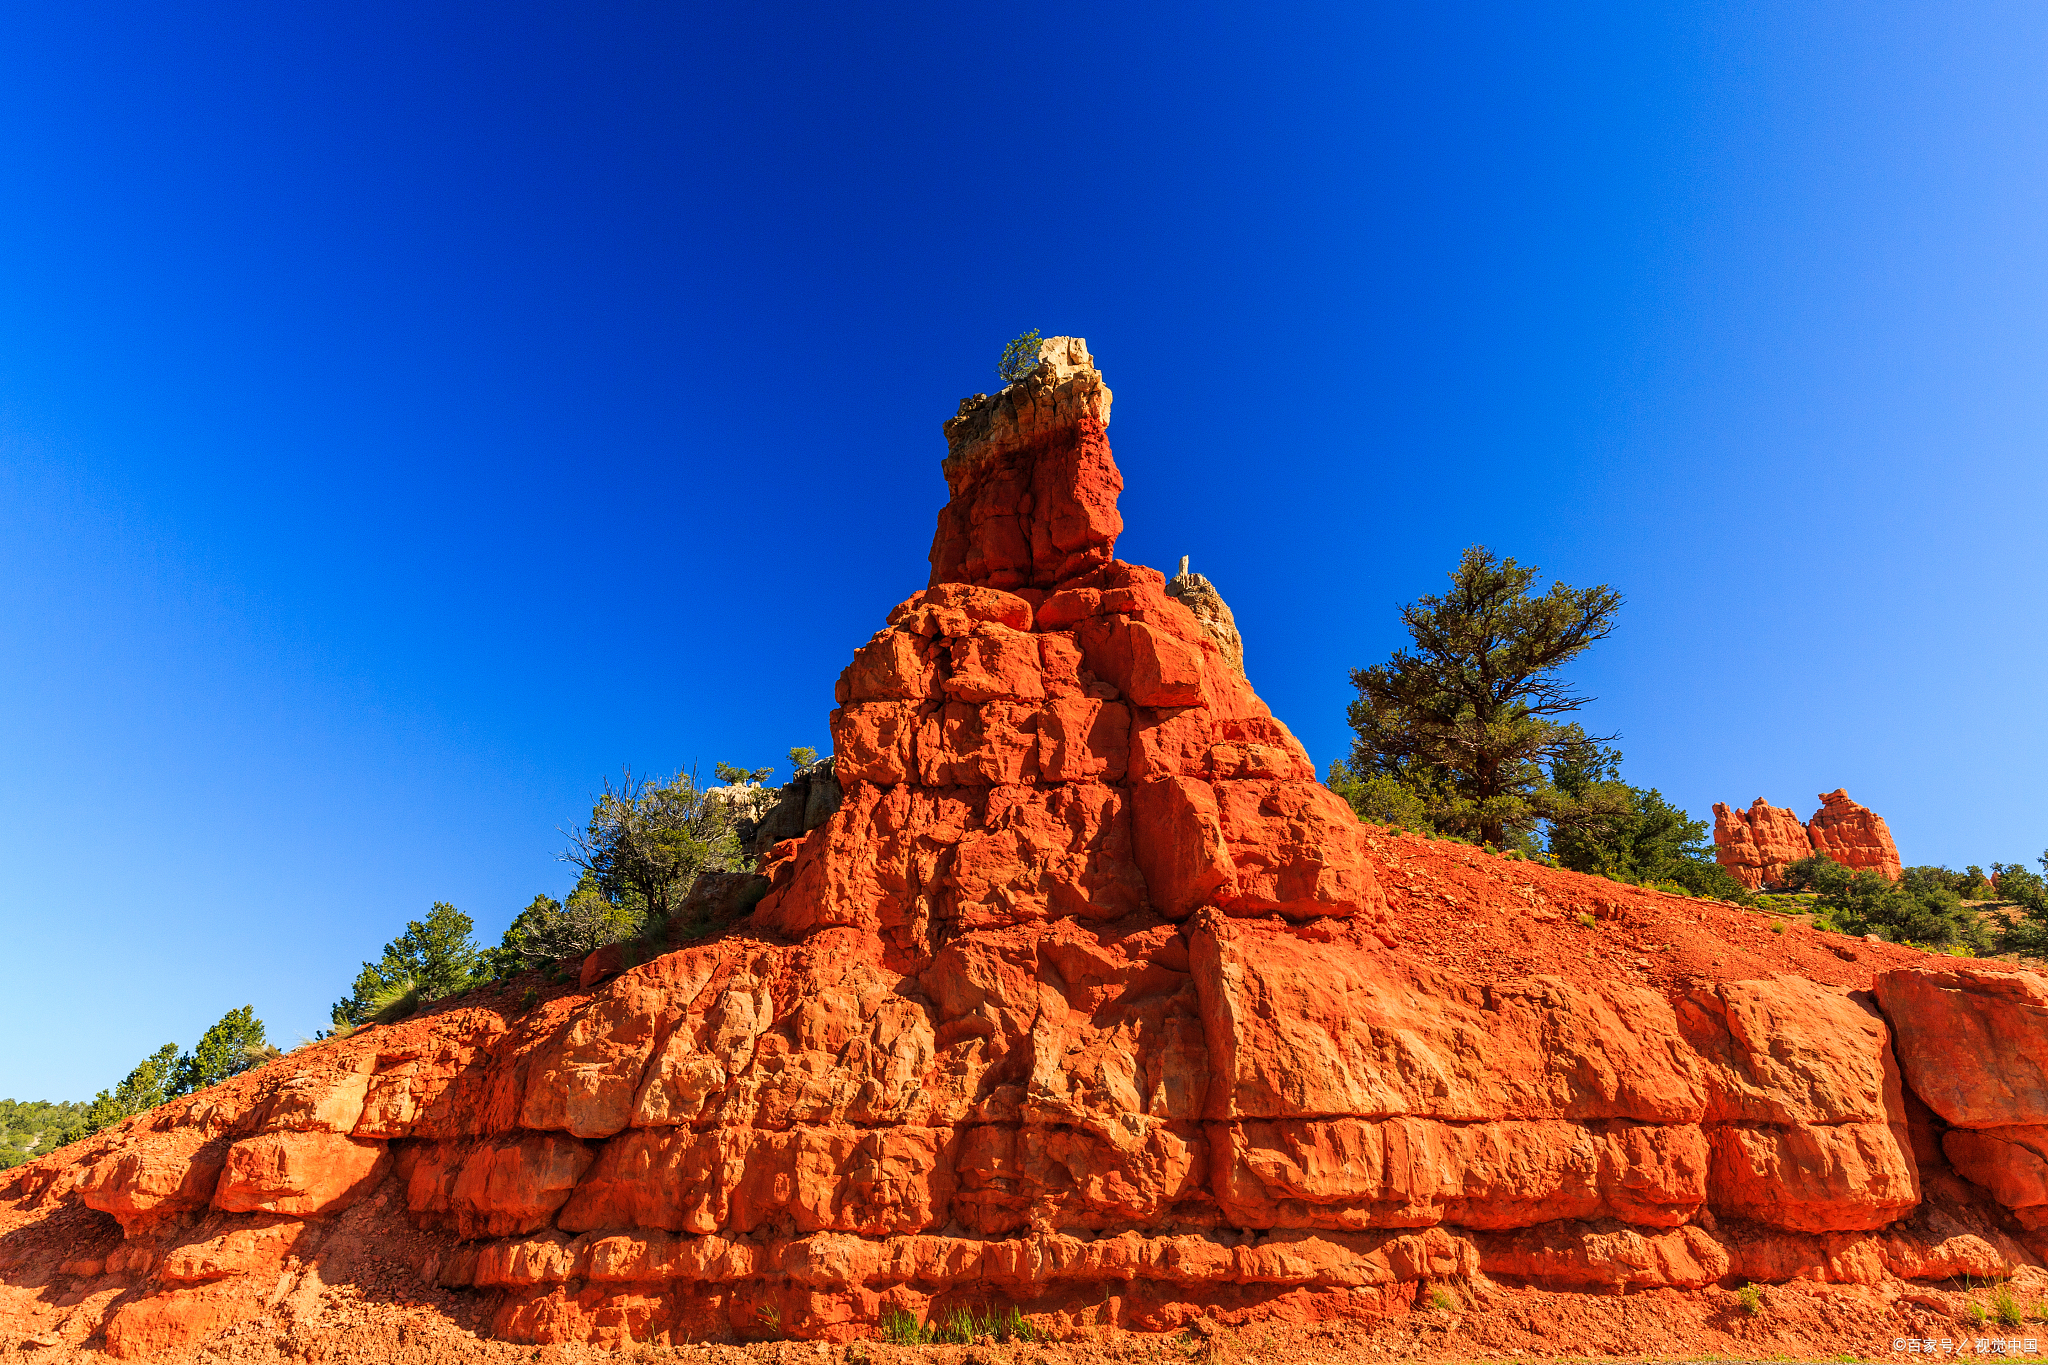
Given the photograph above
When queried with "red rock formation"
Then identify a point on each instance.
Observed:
(1089, 999)
(1757, 844)
(1854, 836)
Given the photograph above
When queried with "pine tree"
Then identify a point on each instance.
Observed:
(1465, 724)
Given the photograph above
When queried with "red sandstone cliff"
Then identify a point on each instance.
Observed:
(1089, 999)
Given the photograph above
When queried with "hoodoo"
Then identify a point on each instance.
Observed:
(1853, 835)
(1072, 990)
(1758, 844)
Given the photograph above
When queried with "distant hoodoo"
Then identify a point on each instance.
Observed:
(1758, 844)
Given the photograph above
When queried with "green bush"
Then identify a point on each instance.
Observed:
(1381, 798)
(1931, 916)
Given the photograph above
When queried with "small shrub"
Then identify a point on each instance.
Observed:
(530, 999)
(1586, 919)
(1020, 358)
(2005, 1306)
(1443, 1300)
(1777, 928)
(1750, 1298)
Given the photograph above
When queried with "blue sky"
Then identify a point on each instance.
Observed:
(410, 414)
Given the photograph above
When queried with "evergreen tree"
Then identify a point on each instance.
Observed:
(1607, 827)
(549, 931)
(647, 840)
(1464, 723)
(430, 959)
(229, 1048)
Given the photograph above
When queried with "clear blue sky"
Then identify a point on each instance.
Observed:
(411, 413)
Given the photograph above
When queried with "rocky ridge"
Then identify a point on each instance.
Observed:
(1081, 995)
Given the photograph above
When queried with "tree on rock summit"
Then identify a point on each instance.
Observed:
(1458, 733)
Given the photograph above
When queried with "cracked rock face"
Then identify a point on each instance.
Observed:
(1073, 989)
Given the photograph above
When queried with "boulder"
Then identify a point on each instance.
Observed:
(1972, 1040)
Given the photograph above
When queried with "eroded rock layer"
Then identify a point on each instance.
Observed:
(1073, 990)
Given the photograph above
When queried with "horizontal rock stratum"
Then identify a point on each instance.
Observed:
(1090, 1000)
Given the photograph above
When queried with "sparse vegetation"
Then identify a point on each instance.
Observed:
(233, 1045)
(433, 957)
(1919, 908)
(2005, 1306)
(643, 847)
(1750, 1298)
(900, 1327)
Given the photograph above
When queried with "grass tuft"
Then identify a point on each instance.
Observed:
(960, 1327)
(901, 1328)
(1751, 1299)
